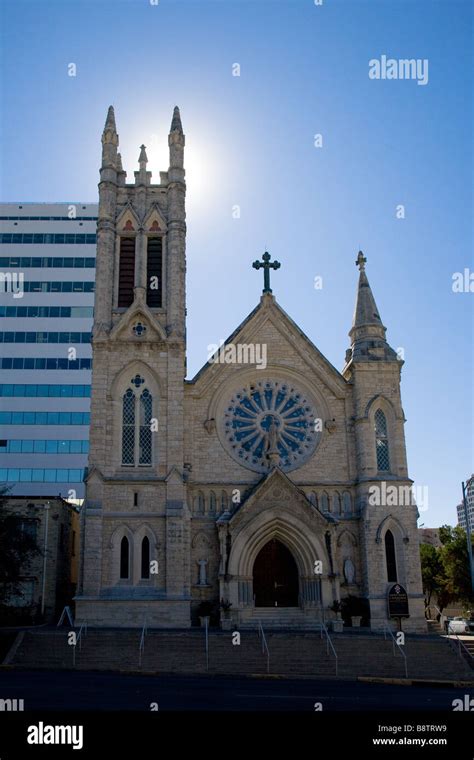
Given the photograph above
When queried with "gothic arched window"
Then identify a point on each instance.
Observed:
(212, 502)
(145, 573)
(124, 558)
(200, 503)
(223, 501)
(137, 415)
(347, 502)
(390, 557)
(145, 427)
(381, 441)
(128, 428)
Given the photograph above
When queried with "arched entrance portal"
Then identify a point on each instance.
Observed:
(275, 576)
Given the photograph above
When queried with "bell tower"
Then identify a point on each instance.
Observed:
(135, 483)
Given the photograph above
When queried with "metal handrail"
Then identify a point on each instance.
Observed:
(206, 628)
(141, 648)
(460, 644)
(82, 630)
(386, 630)
(261, 635)
(329, 644)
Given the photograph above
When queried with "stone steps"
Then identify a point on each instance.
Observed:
(291, 654)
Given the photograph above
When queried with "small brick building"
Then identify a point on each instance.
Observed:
(49, 577)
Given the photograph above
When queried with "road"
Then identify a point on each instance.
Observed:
(66, 690)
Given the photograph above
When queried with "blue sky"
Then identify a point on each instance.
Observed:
(250, 142)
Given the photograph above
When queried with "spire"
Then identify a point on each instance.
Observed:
(110, 120)
(176, 143)
(142, 158)
(142, 177)
(176, 125)
(365, 312)
(368, 332)
(110, 142)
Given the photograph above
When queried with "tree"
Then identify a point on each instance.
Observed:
(17, 549)
(432, 573)
(454, 557)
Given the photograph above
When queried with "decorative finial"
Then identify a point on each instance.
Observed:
(361, 261)
(142, 157)
(176, 125)
(266, 266)
(110, 120)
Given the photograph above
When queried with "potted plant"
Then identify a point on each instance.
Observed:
(204, 611)
(354, 609)
(226, 621)
(337, 623)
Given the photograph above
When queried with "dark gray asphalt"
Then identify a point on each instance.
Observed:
(63, 690)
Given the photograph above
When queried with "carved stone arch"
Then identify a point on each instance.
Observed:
(305, 546)
(138, 311)
(143, 530)
(128, 214)
(401, 538)
(122, 530)
(200, 503)
(200, 538)
(392, 421)
(124, 376)
(380, 401)
(346, 533)
(129, 379)
(390, 522)
(155, 214)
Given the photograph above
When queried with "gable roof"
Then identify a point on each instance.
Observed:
(268, 302)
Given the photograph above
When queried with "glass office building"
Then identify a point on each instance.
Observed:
(47, 275)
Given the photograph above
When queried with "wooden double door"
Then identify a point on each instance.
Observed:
(275, 576)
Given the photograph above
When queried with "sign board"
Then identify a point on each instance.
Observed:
(397, 601)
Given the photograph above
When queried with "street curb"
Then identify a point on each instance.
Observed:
(416, 682)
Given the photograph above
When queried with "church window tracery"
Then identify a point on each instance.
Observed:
(381, 441)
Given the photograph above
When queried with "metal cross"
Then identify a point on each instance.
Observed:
(266, 265)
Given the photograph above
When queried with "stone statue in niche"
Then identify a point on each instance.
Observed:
(349, 571)
(202, 572)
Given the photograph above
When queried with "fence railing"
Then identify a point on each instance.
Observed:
(263, 639)
(78, 640)
(329, 645)
(460, 648)
(388, 630)
(141, 647)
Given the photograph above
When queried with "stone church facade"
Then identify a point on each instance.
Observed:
(255, 484)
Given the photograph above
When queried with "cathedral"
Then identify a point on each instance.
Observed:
(248, 489)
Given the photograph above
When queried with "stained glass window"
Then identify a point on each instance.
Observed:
(270, 420)
(381, 441)
(128, 428)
